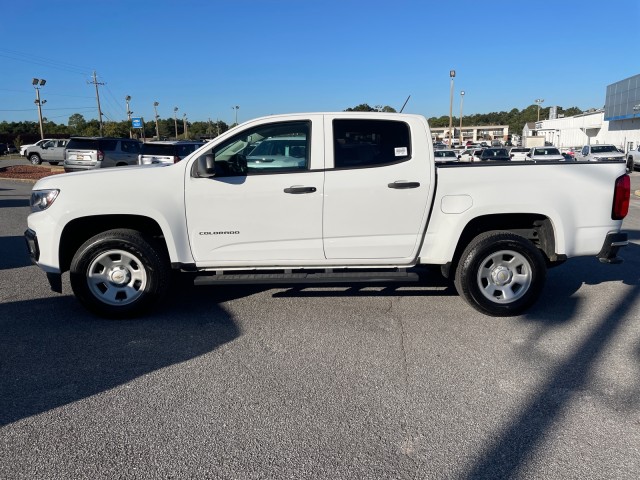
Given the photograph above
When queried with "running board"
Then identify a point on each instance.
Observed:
(315, 277)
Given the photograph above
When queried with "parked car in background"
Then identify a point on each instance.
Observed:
(166, 152)
(23, 148)
(633, 159)
(495, 155)
(50, 150)
(547, 154)
(518, 153)
(600, 153)
(470, 155)
(86, 153)
(7, 148)
(445, 155)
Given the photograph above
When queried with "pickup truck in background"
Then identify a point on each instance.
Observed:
(633, 159)
(47, 150)
(350, 197)
(600, 153)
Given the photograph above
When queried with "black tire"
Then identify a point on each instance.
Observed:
(630, 166)
(500, 273)
(119, 273)
(34, 159)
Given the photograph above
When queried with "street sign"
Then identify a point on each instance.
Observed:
(136, 122)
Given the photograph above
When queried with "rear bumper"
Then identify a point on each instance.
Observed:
(612, 243)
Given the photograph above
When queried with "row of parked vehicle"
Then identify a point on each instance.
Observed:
(593, 153)
(86, 153)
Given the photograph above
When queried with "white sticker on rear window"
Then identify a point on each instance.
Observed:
(400, 151)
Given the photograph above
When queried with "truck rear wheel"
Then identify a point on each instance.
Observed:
(500, 273)
(119, 273)
(34, 158)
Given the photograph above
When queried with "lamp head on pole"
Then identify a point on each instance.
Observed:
(462, 93)
(452, 73)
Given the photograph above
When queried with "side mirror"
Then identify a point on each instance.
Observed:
(528, 155)
(206, 167)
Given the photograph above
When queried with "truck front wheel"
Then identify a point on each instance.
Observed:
(35, 159)
(119, 274)
(500, 273)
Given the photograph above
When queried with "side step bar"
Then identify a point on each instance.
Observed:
(304, 277)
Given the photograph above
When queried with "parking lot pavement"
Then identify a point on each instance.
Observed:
(319, 383)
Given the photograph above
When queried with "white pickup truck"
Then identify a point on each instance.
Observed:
(336, 197)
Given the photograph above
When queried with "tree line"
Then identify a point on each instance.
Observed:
(20, 133)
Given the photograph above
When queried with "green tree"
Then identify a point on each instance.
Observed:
(76, 123)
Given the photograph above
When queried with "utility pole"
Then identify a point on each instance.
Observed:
(129, 112)
(236, 109)
(96, 83)
(37, 84)
(184, 121)
(461, 101)
(175, 120)
(539, 101)
(452, 74)
(155, 108)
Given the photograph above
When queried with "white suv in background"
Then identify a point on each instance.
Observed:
(518, 153)
(600, 153)
(168, 152)
(633, 159)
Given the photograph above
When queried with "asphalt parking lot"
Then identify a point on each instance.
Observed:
(385, 382)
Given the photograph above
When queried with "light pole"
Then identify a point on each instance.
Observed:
(37, 84)
(452, 74)
(539, 101)
(184, 122)
(175, 120)
(236, 109)
(155, 108)
(461, 101)
(129, 112)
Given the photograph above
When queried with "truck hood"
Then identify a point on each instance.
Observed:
(101, 179)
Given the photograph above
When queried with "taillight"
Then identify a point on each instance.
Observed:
(621, 196)
(176, 159)
(100, 155)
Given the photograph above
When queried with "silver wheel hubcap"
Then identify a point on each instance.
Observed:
(117, 277)
(504, 276)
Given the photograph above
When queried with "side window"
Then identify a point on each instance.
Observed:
(130, 147)
(108, 145)
(365, 143)
(585, 150)
(273, 148)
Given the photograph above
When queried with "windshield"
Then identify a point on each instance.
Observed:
(546, 151)
(603, 149)
(445, 154)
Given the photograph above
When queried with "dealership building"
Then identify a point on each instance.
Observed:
(618, 123)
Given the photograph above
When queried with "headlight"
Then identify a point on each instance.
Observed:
(43, 199)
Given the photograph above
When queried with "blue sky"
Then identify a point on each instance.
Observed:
(279, 56)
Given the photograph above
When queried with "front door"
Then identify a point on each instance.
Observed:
(264, 204)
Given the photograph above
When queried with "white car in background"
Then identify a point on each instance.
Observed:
(518, 153)
(547, 154)
(470, 155)
(445, 155)
(600, 153)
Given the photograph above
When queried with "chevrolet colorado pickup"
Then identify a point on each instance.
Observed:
(336, 198)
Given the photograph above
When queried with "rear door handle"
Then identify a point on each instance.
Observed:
(296, 190)
(403, 184)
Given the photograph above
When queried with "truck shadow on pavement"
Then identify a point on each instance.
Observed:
(14, 253)
(53, 353)
(570, 378)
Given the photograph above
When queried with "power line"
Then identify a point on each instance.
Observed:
(42, 61)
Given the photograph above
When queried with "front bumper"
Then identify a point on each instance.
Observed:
(55, 279)
(612, 243)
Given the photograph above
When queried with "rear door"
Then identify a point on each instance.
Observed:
(377, 193)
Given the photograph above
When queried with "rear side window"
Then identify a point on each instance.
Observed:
(130, 147)
(82, 144)
(365, 143)
(108, 145)
(158, 149)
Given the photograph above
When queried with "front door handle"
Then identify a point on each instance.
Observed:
(297, 189)
(403, 184)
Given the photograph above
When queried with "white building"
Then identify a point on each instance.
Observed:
(618, 123)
